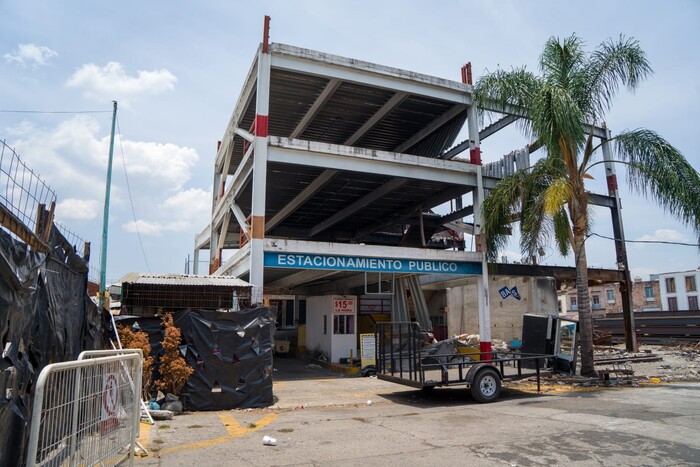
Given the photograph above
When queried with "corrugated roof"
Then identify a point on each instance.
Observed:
(186, 280)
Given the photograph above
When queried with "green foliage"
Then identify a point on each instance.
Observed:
(571, 94)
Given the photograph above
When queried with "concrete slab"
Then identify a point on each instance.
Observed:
(633, 426)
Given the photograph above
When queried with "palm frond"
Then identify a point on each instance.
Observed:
(561, 60)
(556, 195)
(658, 170)
(614, 63)
(498, 210)
(556, 118)
(500, 90)
(562, 232)
(535, 225)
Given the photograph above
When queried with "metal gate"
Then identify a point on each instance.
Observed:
(87, 411)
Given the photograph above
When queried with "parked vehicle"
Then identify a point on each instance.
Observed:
(404, 356)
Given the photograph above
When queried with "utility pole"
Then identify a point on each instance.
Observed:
(105, 219)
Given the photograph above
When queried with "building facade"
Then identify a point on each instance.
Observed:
(679, 290)
(671, 291)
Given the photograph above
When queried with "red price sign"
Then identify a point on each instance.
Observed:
(343, 305)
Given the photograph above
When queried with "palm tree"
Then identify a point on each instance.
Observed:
(550, 198)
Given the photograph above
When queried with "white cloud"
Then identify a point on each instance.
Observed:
(77, 209)
(72, 158)
(185, 211)
(30, 55)
(664, 235)
(112, 82)
(167, 162)
(144, 227)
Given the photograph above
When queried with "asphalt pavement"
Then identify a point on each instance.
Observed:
(320, 418)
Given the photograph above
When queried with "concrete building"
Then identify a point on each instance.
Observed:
(679, 290)
(606, 299)
(646, 295)
(341, 178)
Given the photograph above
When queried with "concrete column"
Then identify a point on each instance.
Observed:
(195, 269)
(262, 105)
(482, 285)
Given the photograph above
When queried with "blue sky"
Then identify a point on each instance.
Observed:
(176, 69)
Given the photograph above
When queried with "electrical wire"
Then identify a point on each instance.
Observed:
(131, 201)
(665, 242)
(55, 111)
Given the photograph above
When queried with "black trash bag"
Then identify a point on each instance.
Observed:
(174, 406)
(369, 370)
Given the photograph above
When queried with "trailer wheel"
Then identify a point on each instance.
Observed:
(486, 386)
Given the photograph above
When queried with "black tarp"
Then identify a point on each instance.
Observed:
(230, 352)
(46, 317)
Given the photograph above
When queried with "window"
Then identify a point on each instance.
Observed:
(672, 304)
(344, 324)
(649, 293)
(325, 324)
(670, 285)
(596, 302)
(690, 284)
(610, 294)
(693, 302)
(574, 305)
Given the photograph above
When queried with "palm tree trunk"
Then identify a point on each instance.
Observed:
(584, 306)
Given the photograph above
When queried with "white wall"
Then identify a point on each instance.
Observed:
(335, 346)
(537, 296)
(316, 309)
(681, 293)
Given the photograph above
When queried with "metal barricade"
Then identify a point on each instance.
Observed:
(86, 412)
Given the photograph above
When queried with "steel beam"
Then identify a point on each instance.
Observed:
(458, 214)
(311, 189)
(560, 273)
(242, 104)
(390, 105)
(330, 156)
(428, 203)
(370, 74)
(620, 247)
(431, 127)
(316, 107)
(366, 200)
(497, 126)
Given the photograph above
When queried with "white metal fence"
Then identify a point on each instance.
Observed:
(87, 412)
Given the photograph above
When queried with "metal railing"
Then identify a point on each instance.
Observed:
(87, 412)
(21, 190)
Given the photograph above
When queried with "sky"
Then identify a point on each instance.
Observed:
(176, 69)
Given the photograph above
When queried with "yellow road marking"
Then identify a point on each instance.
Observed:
(234, 429)
(144, 434)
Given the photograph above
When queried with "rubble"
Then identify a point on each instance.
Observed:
(653, 364)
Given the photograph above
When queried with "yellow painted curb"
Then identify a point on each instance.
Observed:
(233, 429)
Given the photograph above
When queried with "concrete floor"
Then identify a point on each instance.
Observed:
(657, 425)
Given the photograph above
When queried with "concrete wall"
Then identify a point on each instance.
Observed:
(537, 296)
(335, 346)
(316, 309)
(681, 293)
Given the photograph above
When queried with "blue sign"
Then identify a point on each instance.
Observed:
(506, 292)
(275, 259)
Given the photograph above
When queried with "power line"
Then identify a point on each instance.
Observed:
(131, 201)
(648, 241)
(55, 111)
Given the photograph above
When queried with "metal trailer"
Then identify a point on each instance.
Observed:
(403, 357)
